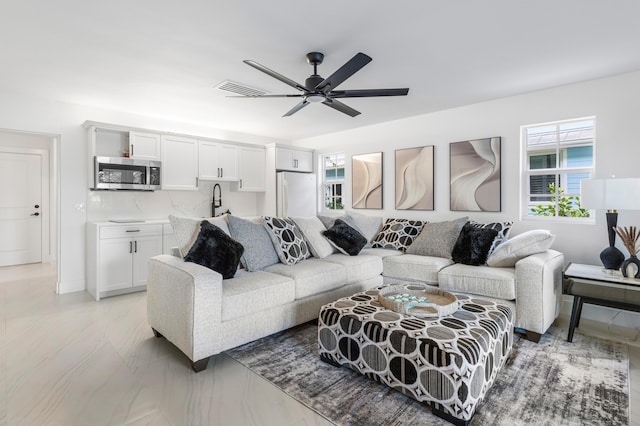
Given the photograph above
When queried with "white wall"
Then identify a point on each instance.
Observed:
(615, 102)
(18, 112)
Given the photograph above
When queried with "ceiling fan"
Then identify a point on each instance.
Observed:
(318, 89)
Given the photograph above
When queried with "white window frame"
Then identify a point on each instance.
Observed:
(323, 206)
(562, 170)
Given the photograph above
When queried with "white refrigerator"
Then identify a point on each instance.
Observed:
(296, 194)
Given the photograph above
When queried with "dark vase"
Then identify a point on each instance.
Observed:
(633, 260)
(611, 257)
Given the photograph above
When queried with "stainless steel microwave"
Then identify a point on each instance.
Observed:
(126, 173)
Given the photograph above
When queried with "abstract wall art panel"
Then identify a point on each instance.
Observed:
(366, 173)
(475, 175)
(414, 178)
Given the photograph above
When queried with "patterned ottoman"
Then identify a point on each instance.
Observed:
(449, 362)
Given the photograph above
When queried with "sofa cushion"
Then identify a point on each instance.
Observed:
(521, 246)
(258, 248)
(480, 280)
(397, 233)
(381, 252)
(287, 239)
(215, 250)
(359, 268)
(473, 245)
(186, 229)
(253, 292)
(437, 239)
(414, 267)
(503, 228)
(312, 229)
(345, 238)
(312, 276)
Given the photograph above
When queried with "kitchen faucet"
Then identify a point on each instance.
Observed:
(216, 202)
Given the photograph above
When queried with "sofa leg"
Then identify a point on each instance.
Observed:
(156, 333)
(200, 365)
(532, 336)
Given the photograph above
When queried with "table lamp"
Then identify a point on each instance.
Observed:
(611, 195)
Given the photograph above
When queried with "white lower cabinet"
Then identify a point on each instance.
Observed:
(118, 255)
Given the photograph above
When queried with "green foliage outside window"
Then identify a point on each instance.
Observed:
(568, 205)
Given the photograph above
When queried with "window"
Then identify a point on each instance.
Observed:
(333, 181)
(557, 156)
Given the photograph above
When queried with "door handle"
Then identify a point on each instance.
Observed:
(240, 183)
(221, 172)
(131, 151)
(135, 245)
(130, 247)
(36, 214)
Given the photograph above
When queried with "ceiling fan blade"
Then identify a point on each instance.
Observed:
(341, 107)
(367, 93)
(266, 96)
(275, 75)
(344, 72)
(297, 108)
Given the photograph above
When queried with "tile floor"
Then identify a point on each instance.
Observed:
(68, 360)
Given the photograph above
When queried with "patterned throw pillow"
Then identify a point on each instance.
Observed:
(345, 238)
(503, 229)
(397, 234)
(215, 250)
(287, 239)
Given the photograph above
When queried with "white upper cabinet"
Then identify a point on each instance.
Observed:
(296, 160)
(252, 169)
(179, 163)
(217, 161)
(144, 146)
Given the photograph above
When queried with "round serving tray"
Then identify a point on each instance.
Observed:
(419, 300)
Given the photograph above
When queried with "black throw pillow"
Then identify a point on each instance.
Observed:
(345, 238)
(216, 250)
(473, 245)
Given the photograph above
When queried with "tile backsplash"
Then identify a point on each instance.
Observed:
(106, 205)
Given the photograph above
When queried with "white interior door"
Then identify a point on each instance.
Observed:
(20, 208)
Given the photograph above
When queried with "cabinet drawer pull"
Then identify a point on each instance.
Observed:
(135, 245)
(131, 151)
(133, 230)
(130, 247)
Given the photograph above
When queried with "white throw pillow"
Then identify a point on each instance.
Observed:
(186, 230)
(519, 247)
(312, 229)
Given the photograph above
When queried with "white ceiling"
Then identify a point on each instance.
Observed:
(163, 57)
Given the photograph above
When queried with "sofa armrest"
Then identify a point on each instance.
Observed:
(184, 304)
(538, 290)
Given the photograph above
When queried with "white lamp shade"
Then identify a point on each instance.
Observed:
(610, 194)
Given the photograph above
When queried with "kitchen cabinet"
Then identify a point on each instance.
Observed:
(251, 169)
(217, 161)
(117, 257)
(179, 163)
(295, 160)
(144, 145)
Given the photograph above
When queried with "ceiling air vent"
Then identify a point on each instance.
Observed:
(240, 89)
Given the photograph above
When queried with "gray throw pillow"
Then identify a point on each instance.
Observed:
(368, 226)
(186, 230)
(438, 239)
(312, 229)
(258, 248)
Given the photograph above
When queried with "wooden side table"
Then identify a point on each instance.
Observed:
(598, 286)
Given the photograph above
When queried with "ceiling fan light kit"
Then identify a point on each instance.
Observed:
(317, 89)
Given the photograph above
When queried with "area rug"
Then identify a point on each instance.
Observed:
(549, 383)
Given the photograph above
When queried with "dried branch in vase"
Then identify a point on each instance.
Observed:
(630, 238)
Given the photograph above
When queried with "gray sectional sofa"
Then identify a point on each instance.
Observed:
(203, 314)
